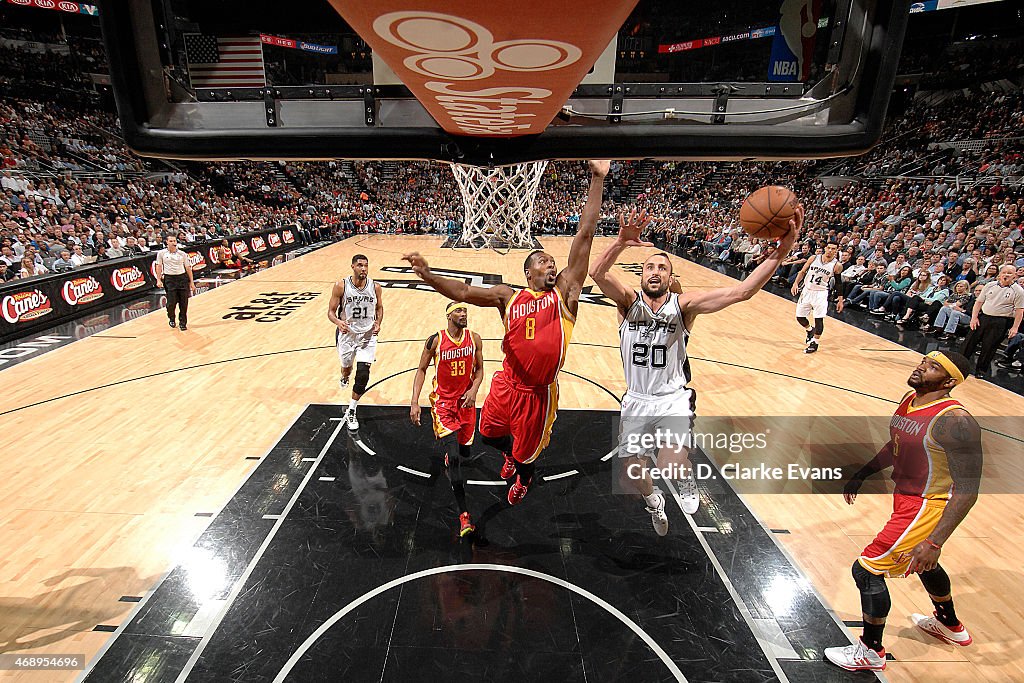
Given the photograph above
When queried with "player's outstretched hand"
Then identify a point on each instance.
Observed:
(600, 168)
(414, 414)
(851, 489)
(632, 226)
(418, 263)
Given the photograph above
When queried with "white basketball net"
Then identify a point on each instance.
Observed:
(499, 204)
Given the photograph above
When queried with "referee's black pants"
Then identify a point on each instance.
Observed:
(178, 293)
(992, 329)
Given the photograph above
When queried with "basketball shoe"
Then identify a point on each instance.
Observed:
(657, 511)
(508, 470)
(689, 496)
(351, 421)
(516, 493)
(812, 346)
(956, 635)
(856, 657)
(465, 525)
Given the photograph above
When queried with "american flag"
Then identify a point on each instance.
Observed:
(224, 62)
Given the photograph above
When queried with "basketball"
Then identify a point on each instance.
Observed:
(766, 212)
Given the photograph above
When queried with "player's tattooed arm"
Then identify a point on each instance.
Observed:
(457, 290)
(960, 436)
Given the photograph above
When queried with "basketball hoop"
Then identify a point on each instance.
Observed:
(499, 204)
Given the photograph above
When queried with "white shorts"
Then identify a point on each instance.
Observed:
(362, 346)
(641, 418)
(812, 303)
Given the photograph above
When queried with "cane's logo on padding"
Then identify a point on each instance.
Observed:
(127, 278)
(25, 306)
(81, 290)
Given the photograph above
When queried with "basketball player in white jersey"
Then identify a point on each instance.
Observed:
(356, 309)
(655, 325)
(816, 278)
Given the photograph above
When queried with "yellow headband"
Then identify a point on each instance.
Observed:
(940, 358)
(454, 306)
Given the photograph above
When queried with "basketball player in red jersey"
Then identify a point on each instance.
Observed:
(935, 453)
(520, 409)
(459, 369)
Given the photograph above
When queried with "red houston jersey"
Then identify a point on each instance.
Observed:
(453, 361)
(538, 327)
(919, 461)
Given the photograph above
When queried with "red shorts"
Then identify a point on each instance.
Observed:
(450, 417)
(524, 413)
(913, 519)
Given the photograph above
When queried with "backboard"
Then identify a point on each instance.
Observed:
(499, 83)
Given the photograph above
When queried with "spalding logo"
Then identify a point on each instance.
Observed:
(24, 306)
(274, 239)
(127, 278)
(81, 290)
(258, 244)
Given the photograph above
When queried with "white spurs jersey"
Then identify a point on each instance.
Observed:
(818, 277)
(358, 306)
(653, 348)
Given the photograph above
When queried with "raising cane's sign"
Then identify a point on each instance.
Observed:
(239, 248)
(288, 236)
(258, 244)
(24, 306)
(127, 278)
(81, 290)
(274, 239)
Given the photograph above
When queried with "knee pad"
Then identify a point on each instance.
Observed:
(874, 593)
(362, 378)
(936, 582)
(803, 321)
(819, 326)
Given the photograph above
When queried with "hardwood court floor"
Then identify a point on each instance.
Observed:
(119, 445)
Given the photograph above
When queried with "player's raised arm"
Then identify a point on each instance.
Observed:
(570, 280)
(630, 230)
(457, 290)
(337, 292)
(716, 299)
(421, 375)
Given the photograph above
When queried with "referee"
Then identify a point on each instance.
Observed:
(172, 265)
(996, 316)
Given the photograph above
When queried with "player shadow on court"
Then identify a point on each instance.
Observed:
(67, 610)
